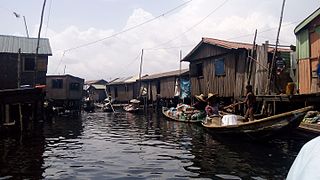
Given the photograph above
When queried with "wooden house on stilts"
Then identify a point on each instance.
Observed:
(164, 85)
(308, 53)
(222, 67)
(123, 90)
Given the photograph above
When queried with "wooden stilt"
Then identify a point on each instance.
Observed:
(20, 118)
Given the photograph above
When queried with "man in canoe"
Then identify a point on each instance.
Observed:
(249, 103)
(213, 107)
(199, 107)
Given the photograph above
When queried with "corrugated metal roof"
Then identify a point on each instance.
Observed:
(229, 45)
(306, 21)
(64, 75)
(120, 80)
(237, 45)
(126, 80)
(99, 81)
(11, 44)
(98, 86)
(165, 74)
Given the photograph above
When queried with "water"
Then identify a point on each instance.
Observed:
(128, 146)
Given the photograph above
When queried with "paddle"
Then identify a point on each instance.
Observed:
(232, 105)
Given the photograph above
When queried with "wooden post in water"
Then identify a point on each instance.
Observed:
(275, 50)
(180, 66)
(140, 73)
(20, 118)
(38, 44)
(19, 69)
(252, 57)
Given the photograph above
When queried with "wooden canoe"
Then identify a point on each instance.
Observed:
(165, 112)
(260, 128)
(131, 109)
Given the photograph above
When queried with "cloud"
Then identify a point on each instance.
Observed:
(119, 56)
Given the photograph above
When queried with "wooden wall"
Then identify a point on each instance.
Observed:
(126, 92)
(207, 51)
(260, 75)
(167, 87)
(64, 93)
(74, 94)
(9, 70)
(308, 80)
(229, 85)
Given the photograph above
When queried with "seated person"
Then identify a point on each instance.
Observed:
(212, 109)
(199, 106)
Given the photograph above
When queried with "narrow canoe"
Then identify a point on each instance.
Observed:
(131, 109)
(165, 112)
(260, 128)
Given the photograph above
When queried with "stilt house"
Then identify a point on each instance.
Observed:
(308, 53)
(21, 70)
(96, 89)
(164, 85)
(19, 65)
(222, 67)
(65, 91)
(123, 90)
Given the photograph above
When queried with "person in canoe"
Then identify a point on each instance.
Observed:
(199, 106)
(249, 103)
(212, 109)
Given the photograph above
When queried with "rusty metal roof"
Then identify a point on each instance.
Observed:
(237, 45)
(229, 45)
(166, 74)
(11, 44)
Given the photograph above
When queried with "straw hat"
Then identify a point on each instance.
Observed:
(200, 97)
(211, 95)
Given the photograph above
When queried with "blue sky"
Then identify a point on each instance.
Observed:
(76, 22)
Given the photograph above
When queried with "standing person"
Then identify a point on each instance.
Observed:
(249, 103)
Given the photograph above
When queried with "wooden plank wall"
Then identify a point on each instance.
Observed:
(154, 90)
(304, 76)
(206, 51)
(315, 87)
(241, 73)
(261, 73)
(167, 87)
(232, 84)
(197, 85)
(315, 52)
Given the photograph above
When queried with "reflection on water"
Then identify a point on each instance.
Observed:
(126, 146)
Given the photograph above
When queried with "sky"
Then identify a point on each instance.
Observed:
(103, 39)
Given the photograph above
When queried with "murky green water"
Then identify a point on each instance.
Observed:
(128, 146)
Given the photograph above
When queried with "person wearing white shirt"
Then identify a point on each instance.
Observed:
(306, 164)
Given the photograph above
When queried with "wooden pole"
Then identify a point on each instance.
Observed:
(252, 55)
(25, 25)
(19, 69)
(275, 50)
(140, 72)
(179, 85)
(20, 118)
(38, 43)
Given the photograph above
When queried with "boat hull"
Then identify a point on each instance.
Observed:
(263, 128)
(131, 110)
(166, 114)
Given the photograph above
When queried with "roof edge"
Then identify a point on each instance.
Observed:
(307, 20)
